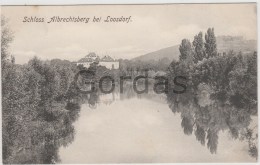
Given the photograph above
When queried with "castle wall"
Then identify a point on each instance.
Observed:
(108, 65)
(85, 64)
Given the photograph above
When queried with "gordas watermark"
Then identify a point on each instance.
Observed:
(87, 83)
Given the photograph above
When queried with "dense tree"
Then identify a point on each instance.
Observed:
(185, 50)
(221, 92)
(6, 38)
(198, 44)
(210, 43)
(35, 120)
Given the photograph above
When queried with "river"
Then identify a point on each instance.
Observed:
(136, 129)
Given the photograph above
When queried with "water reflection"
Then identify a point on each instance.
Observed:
(109, 127)
(200, 115)
(206, 117)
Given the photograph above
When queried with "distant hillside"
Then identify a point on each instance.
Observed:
(224, 44)
(170, 53)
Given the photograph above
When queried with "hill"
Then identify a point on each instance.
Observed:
(169, 52)
(224, 44)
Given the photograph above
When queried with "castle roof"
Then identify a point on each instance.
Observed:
(91, 57)
(107, 59)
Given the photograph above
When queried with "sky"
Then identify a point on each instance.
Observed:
(152, 27)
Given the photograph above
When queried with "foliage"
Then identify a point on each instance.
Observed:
(210, 43)
(36, 107)
(221, 91)
(185, 50)
(198, 44)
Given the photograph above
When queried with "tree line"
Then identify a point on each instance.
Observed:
(39, 105)
(221, 91)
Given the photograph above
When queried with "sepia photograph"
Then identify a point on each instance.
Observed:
(129, 83)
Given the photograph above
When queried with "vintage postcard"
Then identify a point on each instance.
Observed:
(158, 83)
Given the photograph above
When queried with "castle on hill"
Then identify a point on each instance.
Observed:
(106, 61)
